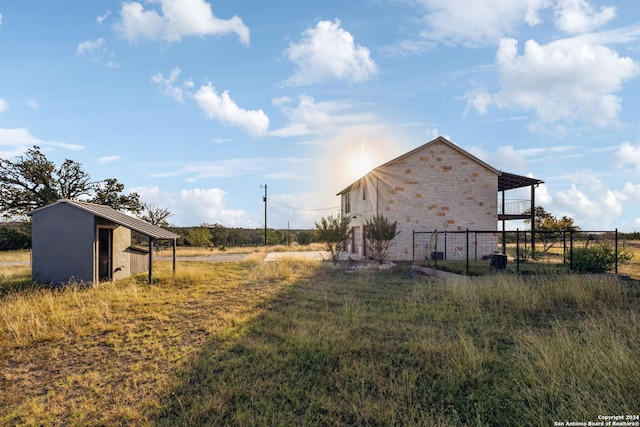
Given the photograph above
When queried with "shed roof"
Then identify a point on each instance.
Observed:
(119, 218)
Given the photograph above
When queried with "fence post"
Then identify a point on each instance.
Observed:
(445, 245)
(571, 250)
(413, 245)
(616, 251)
(517, 249)
(467, 251)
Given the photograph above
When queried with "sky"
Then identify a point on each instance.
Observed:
(198, 105)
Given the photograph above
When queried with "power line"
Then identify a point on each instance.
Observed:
(303, 209)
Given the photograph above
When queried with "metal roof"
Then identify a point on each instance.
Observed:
(509, 181)
(120, 218)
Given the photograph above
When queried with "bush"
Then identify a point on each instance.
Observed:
(15, 236)
(597, 259)
(379, 232)
(334, 232)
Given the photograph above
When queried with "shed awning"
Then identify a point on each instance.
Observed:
(510, 181)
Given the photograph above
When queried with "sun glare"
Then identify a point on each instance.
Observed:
(362, 163)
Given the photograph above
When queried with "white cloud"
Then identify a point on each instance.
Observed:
(476, 22)
(101, 18)
(4, 105)
(505, 158)
(207, 205)
(626, 154)
(167, 85)
(592, 205)
(223, 108)
(214, 105)
(177, 19)
(97, 51)
(0, 20)
(578, 16)
(33, 104)
(310, 117)
(219, 169)
(557, 82)
(191, 207)
(329, 52)
(15, 141)
(108, 159)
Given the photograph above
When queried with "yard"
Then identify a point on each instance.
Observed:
(303, 343)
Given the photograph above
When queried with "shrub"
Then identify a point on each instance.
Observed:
(379, 232)
(334, 232)
(597, 259)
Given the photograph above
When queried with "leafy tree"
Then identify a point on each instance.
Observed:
(31, 181)
(198, 237)
(109, 193)
(550, 227)
(379, 232)
(155, 215)
(15, 236)
(334, 232)
(220, 235)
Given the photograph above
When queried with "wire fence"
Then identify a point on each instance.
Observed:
(474, 251)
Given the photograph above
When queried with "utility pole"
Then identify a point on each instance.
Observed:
(264, 199)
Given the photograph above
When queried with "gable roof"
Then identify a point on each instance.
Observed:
(437, 140)
(117, 217)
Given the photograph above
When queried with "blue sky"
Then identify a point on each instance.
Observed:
(195, 104)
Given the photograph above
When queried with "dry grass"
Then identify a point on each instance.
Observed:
(17, 255)
(187, 251)
(297, 343)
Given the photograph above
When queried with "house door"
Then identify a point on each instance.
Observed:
(105, 252)
(355, 236)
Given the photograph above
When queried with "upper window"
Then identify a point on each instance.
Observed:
(347, 203)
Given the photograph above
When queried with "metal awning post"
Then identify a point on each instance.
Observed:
(174, 260)
(151, 260)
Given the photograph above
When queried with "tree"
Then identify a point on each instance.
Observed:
(198, 237)
(549, 226)
(155, 215)
(219, 235)
(109, 193)
(334, 232)
(379, 232)
(31, 181)
(305, 237)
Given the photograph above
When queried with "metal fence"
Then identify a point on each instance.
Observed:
(497, 249)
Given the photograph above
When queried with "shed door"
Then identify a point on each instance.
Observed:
(105, 240)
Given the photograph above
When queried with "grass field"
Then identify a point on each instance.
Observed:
(303, 343)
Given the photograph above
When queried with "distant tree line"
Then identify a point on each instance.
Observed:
(218, 236)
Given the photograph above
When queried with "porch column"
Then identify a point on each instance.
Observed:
(533, 220)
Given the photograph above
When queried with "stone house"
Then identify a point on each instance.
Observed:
(435, 187)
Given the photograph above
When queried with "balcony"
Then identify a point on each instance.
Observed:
(514, 209)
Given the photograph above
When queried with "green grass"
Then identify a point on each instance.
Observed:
(301, 343)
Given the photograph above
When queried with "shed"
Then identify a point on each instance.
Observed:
(85, 242)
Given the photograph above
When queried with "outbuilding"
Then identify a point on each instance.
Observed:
(74, 241)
